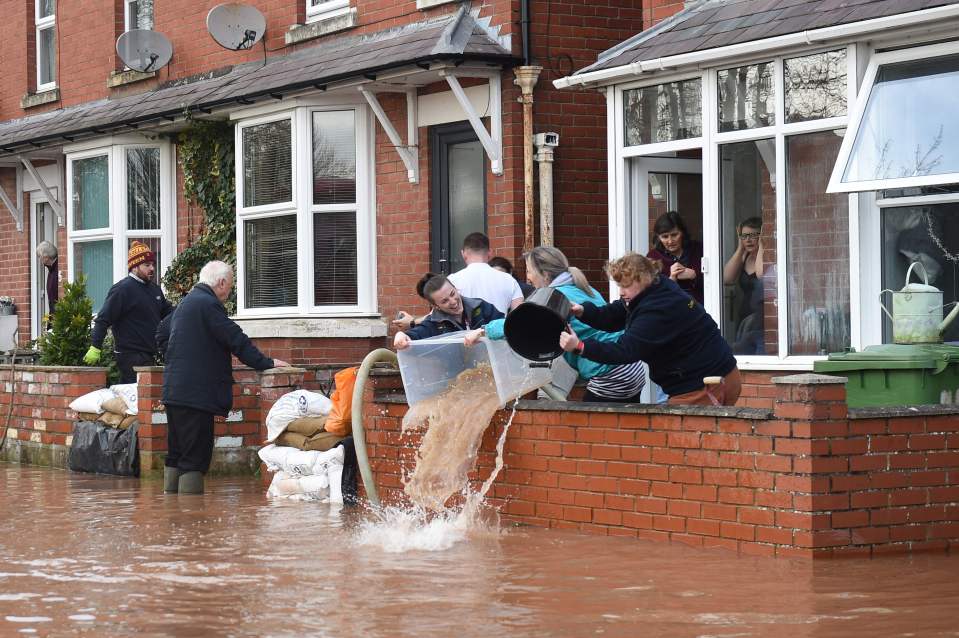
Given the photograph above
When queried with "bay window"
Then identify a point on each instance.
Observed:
(117, 194)
(304, 213)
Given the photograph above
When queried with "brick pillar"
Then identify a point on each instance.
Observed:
(813, 407)
(151, 417)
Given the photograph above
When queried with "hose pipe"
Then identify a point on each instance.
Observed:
(359, 435)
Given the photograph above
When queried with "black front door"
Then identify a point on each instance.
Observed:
(458, 198)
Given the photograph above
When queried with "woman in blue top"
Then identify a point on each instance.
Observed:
(548, 266)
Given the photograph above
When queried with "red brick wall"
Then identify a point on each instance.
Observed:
(41, 396)
(803, 479)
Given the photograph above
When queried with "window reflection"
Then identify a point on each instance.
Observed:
(818, 247)
(815, 86)
(746, 97)
(664, 112)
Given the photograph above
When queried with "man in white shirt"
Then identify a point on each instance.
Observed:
(480, 281)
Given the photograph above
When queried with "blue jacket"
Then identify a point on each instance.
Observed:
(587, 369)
(476, 314)
(199, 362)
(667, 329)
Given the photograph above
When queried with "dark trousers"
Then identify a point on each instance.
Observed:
(189, 438)
(127, 360)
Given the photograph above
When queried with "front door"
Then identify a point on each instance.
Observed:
(458, 197)
(44, 229)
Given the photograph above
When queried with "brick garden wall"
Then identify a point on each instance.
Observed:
(806, 477)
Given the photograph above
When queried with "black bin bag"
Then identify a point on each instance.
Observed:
(102, 449)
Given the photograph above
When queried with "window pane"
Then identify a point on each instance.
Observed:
(91, 202)
(133, 14)
(47, 7)
(270, 268)
(334, 158)
(267, 173)
(143, 188)
(746, 97)
(928, 234)
(95, 260)
(663, 112)
(154, 244)
(48, 56)
(334, 259)
(748, 213)
(815, 86)
(909, 127)
(467, 195)
(818, 247)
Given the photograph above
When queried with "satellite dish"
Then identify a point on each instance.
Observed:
(235, 26)
(144, 50)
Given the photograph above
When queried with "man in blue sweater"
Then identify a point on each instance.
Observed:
(133, 308)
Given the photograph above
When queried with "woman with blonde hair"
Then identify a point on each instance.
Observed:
(664, 327)
(547, 266)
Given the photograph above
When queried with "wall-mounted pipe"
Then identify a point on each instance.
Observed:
(526, 77)
(544, 157)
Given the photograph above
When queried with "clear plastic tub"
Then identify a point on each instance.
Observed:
(429, 365)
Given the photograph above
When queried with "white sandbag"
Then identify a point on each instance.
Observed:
(312, 488)
(91, 402)
(294, 405)
(127, 392)
(335, 474)
(296, 462)
(327, 459)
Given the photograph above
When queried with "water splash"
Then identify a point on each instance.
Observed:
(401, 529)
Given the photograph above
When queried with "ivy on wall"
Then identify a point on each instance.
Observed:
(205, 152)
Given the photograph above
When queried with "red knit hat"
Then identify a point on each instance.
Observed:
(139, 253)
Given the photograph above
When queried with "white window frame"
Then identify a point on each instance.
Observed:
(43, 24)
(117, 230)
(300, 114)
(836, 185)
(328, 9)
(127, 24)
(619, 155)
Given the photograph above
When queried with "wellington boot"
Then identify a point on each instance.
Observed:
(191, 483)
(171, 479)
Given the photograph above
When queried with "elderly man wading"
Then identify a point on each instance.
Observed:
(198, 380)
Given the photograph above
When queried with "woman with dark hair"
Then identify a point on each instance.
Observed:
(680, 256)
(662, 326)
(745, 270)
(451, 311)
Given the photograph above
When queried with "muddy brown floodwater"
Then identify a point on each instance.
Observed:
(99, 556)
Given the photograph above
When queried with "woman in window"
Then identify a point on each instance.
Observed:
(680, 256)
(548, 267)
(665, 328)
(745, 270)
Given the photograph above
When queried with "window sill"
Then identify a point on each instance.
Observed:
(120, 78)
(313, 327)
(429, 4)
(31, 100)
(320, 27)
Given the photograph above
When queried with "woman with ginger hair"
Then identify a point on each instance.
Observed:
(664, 327)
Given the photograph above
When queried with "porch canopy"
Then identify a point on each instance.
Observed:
(378, 59)
(712, 30)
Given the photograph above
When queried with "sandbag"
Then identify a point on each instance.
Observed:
(319, 442)
(104, 450)
(312, 488)
(115, 406)
(87, 416)
(127, 392)
(294, 405)
(92, 402)
(308, 425)
(299, 462)
(339, 421)
(114, 420)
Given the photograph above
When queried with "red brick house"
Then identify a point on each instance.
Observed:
(337, 216)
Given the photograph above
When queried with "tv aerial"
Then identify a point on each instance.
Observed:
(144, 50)
(235, 26)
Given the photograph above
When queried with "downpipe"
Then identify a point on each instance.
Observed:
(380, 355)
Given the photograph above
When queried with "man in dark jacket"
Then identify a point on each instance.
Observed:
(47, 253)
(133, 308)
(198, 379)
(451, 312)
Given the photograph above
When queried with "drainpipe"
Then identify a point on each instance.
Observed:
(545, 143)
(526, 77)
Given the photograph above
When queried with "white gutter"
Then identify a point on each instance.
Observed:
(815, 36)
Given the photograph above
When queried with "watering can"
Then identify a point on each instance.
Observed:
(917, 311)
